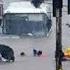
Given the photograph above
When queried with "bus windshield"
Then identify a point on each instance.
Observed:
(31, 24)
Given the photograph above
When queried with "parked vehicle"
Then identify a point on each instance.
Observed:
(26, 20)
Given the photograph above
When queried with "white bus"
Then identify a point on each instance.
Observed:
(23, 19)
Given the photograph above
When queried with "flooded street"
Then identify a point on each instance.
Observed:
(47, 44)
(29, 62)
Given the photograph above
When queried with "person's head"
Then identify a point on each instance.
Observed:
(22, 53)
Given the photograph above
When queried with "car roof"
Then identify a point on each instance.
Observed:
(25, 7)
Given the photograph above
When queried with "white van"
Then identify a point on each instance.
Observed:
(23, 19)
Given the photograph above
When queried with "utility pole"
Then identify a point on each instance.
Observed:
(59, 52)
(57, 12)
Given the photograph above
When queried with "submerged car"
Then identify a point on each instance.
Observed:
(26, 20)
